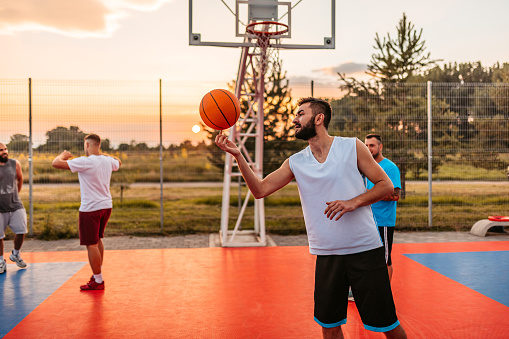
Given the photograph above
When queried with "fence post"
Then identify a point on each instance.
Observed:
(430, 159)
(30, 160)
(161, 151)
(312, 88)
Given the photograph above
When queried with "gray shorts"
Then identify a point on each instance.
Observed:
(17, 221)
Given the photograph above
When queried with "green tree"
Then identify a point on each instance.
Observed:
(385, 106)
(106, 145)
(62, 138)
(477, 103)
(18, 143)
(278, 127)
(397, 59)
(142, 146)
(123, 147)
(501, 73)
(457, 72)
(459, 94)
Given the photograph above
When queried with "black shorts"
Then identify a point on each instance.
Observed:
(366, 273)
(387, 235)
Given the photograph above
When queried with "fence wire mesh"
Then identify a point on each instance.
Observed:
(470, 151)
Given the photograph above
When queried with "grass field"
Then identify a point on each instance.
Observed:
(456, 206)
(195, 166)
(136, 167)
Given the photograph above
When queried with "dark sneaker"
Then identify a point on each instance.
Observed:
(92, 285)
(17, 259)
(3, 267)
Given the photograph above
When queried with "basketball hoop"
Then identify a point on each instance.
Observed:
(264, 32)
(267, 29)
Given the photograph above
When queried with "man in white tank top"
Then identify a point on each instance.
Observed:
(339, 222)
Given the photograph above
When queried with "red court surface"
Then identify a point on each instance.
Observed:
(248, 293)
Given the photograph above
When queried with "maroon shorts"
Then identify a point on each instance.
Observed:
(92, 225)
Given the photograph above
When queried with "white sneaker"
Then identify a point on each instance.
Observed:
(350, 296)
(3, 267)
(17, 259)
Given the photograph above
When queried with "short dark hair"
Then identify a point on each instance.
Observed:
(374, 135)
(94, 137)
(318, 106)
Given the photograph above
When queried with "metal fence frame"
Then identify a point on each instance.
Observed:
(428, 87)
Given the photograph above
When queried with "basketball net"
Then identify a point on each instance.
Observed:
(268, 37)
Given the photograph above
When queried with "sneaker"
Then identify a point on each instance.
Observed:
(17, 259)
(350, 296)
(3, 267)
(92, 285)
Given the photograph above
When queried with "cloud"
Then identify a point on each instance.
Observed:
(300, 80)
(329, 75)
(348, 68)
(76, 18)
(305, 81)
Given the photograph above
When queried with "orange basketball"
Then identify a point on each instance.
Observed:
(219, 109)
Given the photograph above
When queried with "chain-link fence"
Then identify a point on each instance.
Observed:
(149, 125)
(458, 131)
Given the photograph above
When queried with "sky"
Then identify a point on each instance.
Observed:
(148, 39)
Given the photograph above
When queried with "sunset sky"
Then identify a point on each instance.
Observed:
(147, 40)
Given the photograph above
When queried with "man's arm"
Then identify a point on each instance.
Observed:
(60, 161)
(259, 187)
(394, 196)
(114, 157)
(19, 175)
(368, 166)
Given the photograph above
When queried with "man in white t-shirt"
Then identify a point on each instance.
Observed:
(341, 229)
(94, 173)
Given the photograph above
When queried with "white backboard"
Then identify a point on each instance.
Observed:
(311, 23)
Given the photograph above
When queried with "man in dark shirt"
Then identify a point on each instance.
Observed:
(12, 211)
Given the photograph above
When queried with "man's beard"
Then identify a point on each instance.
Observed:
(4, 158)
(307, 131)
(375, 155)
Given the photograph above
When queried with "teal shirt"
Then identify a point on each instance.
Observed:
(385, 211)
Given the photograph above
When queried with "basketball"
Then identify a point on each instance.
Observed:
(219, 109)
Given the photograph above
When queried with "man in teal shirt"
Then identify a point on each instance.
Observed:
(384, 211)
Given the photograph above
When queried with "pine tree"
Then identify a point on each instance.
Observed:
(398, 59)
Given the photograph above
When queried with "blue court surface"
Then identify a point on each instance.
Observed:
(484, 272)
(24, 289)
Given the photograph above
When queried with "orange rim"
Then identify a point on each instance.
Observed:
(281, 28)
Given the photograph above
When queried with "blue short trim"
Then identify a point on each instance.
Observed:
(382, 329)
(339, 323)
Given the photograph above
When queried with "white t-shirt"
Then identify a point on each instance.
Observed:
(94, 174)
(338, 178)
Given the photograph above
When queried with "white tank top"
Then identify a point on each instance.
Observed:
(338, 178)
